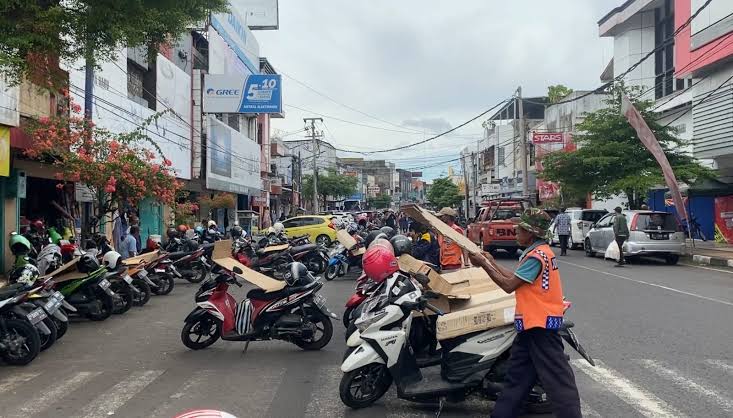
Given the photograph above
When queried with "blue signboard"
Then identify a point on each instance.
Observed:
(262, 94)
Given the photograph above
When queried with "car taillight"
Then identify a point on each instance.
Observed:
(330, 225)
(634, 219)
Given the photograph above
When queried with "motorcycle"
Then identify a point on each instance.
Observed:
(24, 309)
(364, 288)
(53, 304)
(192, 266)
(156, 272)
(267, 260)
(295, 314)
(340, 261)
(90, 294)
(19, 339)
(380, 354)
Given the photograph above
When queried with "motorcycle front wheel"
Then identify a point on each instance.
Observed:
(362, 387)
(322, 331)
(331, 272)
(48, 340)
(61, 326)
(124, 299)
(143, 288)
(201, 333)
(22, 342)
(165, 284)
(199, 273)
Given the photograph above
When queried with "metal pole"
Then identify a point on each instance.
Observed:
(465, 181)
(523, 145)
(314, 138)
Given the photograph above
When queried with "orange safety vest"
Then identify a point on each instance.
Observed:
(540, 304)
(450, 252)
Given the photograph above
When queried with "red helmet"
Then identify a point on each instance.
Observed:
(182, 228)
(379, 262)
(37, 225)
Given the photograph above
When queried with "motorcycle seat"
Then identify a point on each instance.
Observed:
(303, 248)
(9, 291)
(177, 255)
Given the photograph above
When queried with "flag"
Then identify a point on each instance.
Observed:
(650, 142)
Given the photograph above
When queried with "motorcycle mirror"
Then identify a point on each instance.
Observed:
(237, 270)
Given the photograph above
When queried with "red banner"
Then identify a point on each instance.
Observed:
(724, 219)
(548, 137)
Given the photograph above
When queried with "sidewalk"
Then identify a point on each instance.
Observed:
(710, 253)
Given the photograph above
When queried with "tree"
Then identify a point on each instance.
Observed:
(611, 159)
(444, 193)
(381, 201)
(38, 32)
(333, 184)
(558, 92)
(119, 169)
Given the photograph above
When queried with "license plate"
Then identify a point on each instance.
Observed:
(142, 273)
(659, 236)
(36, 316)
(104, 284)
(160, 270)
(127, 279)
(54, 301)
(203, 259)
(320, 301)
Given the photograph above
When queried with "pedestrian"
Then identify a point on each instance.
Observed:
(404, 223)
(562, 228)
(537, 351)
(425, 245)
(391, 221)
(452, 256)
(128, 245)
(621, 234)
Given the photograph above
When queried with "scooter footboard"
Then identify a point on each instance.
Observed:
(361, 357)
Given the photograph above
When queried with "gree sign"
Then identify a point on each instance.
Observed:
(258, 93)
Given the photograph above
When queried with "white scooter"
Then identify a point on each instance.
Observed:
(379, 353)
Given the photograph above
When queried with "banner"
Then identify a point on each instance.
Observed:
(547, 143)
(724, 219)
(257, 93)
(232, 160)
(650, 142)
(548, 138)
(4, 151)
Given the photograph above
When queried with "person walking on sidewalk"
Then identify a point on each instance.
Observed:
(621, 233)
(537, 352)
(562, 228)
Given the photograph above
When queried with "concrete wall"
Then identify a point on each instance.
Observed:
(634, 40)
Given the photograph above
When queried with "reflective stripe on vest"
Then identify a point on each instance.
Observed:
(540, 304)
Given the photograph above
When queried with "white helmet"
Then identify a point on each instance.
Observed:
(211, 224)
(111, 260)
(278, 227)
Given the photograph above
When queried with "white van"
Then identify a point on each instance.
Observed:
(580, 223)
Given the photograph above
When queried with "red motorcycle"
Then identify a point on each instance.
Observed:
(275, 262)
(295, 314)
(365, 287)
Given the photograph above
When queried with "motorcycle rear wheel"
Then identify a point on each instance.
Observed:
(199, 274)
(106, 305)
(144, 288)
(165, 285)
(123, 290)
(362, 387)
(25, 334)
(205, 326)
(61, 326)
(48, 340)
(331, 272)
(318, 341)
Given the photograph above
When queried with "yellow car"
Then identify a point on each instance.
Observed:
(319, 228)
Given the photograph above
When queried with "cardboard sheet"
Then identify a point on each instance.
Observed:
(427, 218)
(66, 268)
(345, 239)
(477, 318)
(222, 257)
(142, 258)
(453, 286)
(272, 248)
(478, 281)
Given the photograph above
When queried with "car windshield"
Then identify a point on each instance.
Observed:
(656, 221)
(503, 214)
(593, 216)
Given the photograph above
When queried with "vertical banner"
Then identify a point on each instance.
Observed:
(724, 219)
(650, 142)
(4, 151)
(546, 143)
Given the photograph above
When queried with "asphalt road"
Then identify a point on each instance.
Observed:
(662, 335)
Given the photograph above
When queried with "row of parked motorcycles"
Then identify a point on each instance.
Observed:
(45, 288)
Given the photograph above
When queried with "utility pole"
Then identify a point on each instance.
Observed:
(300, 181)
(465, 182)
(523, 145)
(314, 137)
(474, 162)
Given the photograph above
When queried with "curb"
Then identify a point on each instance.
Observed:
(712, 261)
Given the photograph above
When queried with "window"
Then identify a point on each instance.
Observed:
(292, 223)
(664, 83)
(605, 221)
(135, 83)
(501, 156)
(656, 221)
(592, 215)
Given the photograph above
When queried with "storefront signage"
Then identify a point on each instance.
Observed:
(258, 93)
(9, 114)
(490, 188)
(232, 160)
(237, 35)
(4, 151)
(547, 138)
(82, 193)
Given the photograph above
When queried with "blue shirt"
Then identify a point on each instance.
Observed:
(529, 267)
(128, 246)
(562, 224)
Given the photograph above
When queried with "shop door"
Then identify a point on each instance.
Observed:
(151, 219)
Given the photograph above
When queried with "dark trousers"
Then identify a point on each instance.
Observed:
(620, 241)
(563, 244)
(537, 355)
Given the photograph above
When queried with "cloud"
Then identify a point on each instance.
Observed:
(436, 125)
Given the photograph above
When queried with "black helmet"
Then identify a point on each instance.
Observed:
(401, 245)
(172, 233)
(372, 236)
(298, 272)
(236, 231)
(388, 231)
(380, 237)
(87, 263)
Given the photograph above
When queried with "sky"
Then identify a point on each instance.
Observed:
(416, 68)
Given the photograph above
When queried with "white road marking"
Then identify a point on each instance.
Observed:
(706, 268)
(110, 401)
(722, 364)
(671, 289)
(644, 402)
(185, 390)
(690, 385)
(11, 382)
(52, 394)
(587, 411)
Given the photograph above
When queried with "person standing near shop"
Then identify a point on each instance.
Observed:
(562, 229)
(537, 352)
(452, 256)
(128, 245)
(621, 233)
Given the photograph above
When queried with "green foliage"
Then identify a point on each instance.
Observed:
(443, 193)
(558, 92)
(611, 159)
(334, 185)
(92, 30)
(381, 201)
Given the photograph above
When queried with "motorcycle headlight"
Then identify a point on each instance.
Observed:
(368, 320)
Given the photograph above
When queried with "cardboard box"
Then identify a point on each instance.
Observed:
(477, 318)
(67, 270)
(442, 303)
(142, 258)
(345, 239)
(273, 248)
(427, 218)
(478, 280)
(454, 286)
(222, 257)
(481, 299)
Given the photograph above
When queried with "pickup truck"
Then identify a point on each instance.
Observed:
(494, 226)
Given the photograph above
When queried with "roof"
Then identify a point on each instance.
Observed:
(607, 74)
(615, 10)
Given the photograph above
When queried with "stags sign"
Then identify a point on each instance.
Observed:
(547, 137)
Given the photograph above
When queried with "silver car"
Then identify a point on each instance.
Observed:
(650, 233)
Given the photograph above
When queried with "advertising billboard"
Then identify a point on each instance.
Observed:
(259, 14)
(8, 104)
(547, 138)
(236, 34)
(222, 59)
(257, 93)
(232, 160)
